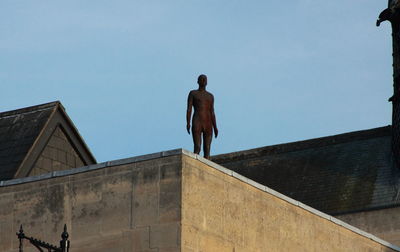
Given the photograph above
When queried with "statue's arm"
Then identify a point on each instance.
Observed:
(214, 118)
(189, 111)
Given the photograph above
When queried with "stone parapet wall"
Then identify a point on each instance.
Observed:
(128, 207)
(168, 202)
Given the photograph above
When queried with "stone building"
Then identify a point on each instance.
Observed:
(337, 193)
(38, 140)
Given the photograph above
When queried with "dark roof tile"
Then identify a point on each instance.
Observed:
(18, 131)
(335, 174)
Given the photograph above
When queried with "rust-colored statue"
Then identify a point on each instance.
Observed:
(203, 122)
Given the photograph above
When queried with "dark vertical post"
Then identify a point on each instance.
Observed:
(21, 236)
(396, 79)
(64, 243)
(392, 14)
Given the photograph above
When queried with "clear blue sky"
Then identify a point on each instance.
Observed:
(280, 71)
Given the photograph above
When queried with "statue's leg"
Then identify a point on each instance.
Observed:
(196, 133)
(207, 137)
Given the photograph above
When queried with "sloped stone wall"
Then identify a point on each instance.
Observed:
(222, 213)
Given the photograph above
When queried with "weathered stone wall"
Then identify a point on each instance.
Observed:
(167, 202)
(384, 223)
(130, 207)
(58, 155)
(222, 213)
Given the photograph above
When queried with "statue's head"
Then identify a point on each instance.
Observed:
(202, 80)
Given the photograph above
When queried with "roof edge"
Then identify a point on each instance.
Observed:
(91, 167)
(304, 144)
(22, 168)
(30, 109)
(70, 123)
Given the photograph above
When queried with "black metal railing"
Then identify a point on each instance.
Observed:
(41, 245)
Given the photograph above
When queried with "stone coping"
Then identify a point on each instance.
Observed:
(209, 163)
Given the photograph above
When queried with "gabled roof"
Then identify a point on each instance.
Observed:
(25, 132)
(337, 174)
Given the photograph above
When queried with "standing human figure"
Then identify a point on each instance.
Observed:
(204, 121)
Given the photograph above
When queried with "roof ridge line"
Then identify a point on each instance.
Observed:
(29, 109)
(308, 144)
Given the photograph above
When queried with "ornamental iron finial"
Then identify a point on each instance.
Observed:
(40, 245)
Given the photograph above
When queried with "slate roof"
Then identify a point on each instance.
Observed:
(337, 174)
(23, 129)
